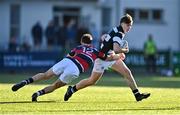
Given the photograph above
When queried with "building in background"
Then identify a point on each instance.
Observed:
(161, 18)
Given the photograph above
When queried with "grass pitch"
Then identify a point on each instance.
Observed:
(110, 96)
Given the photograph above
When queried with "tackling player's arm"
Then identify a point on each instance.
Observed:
(110, 57)
(72, 53)
(114, 56)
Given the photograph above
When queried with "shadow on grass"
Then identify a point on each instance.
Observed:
(98, 102)
(15, 102)
(119, 109)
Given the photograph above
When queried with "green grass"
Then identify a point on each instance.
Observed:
(110, 96)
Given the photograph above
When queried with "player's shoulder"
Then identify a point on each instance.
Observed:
(90, 47)
(119, 34)
(81, 46)
(116, 33)
(93, 49)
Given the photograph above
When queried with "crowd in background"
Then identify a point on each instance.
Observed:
(64, 38)
(56, 36)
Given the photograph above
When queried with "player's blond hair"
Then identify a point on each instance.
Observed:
(126, 19)
(86, 38)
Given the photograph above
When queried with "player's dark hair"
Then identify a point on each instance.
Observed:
(86, 38)
(126, 19)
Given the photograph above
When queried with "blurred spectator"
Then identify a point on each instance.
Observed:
(56, 34)
(71, 33)
(82, 29)
(150, 52)
(49, 34)
(62, 36)
(12, 44)
(37, 34)
(25, 44)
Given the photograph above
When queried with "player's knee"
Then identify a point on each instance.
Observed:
(127, 72)
(47, 75)
(44, 76)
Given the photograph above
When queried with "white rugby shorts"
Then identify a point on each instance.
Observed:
(100, 65)
(66, 70)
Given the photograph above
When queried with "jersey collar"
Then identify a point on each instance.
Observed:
(120, 29)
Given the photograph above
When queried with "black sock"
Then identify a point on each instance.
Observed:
(136, 92)
(73, 90)
(41, 92)
(28, 81)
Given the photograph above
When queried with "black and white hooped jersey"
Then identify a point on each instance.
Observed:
(114, 36)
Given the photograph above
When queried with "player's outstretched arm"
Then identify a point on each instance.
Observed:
(114, 56)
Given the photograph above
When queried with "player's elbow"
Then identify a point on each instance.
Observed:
(117, 50)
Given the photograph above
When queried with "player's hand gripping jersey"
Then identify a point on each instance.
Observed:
(84, 56)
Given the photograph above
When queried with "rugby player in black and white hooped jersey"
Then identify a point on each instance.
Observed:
(79, 60)
(112, 42)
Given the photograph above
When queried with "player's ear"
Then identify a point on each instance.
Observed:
(122, 24)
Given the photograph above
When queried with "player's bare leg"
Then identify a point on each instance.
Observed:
(57, 84)
(121, 68)
(82, 84)
(40, 76)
